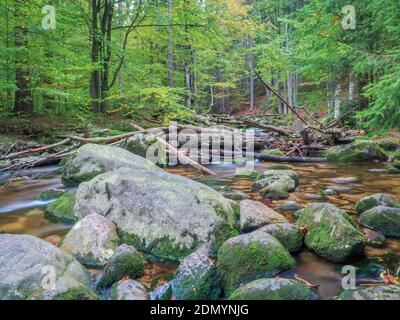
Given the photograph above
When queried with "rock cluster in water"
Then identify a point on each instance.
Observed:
(126, 209)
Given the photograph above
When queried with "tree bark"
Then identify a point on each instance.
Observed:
(23, 94)
(170, 53)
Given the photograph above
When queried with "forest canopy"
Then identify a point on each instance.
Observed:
(173, 58)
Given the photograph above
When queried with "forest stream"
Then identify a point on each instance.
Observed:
(21, 213)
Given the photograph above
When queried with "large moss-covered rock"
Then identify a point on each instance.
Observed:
(249, 257)
(91, 160)
(31, 268)
(288, 234)
(62, 209)
(197, 278)
(332, 234)
(128, 290)
(274, 289)
(379, 199)
(167, 215)
(254, 214)
(126, 261)
(290, 206)
(385, 220)
(92, 240)
(389, 144)
(389, 292)
(358, 151)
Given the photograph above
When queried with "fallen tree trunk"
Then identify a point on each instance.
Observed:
(273, 158)
(181, 157)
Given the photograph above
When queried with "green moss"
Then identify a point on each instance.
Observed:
(62, 209)
(73, 180)
(130, 239)
(273, 152)
(356, 152)
(236, 211)
(275, 193)
(77, 294)
(126, 265)
(240, 264)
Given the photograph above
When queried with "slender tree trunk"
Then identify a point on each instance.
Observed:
(23, 94)
(95, 89)
(188, 99)
(251, 76)
(351, 87)
(338, 101)
(170, 54)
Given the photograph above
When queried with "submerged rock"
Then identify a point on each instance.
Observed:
(128, 290)
(358, 151)
(92, 240)
(51, 193)
(379, 199)
(290, 206)
(197, 278)
(33, 269)
(167, 215)
(389, 292)
(374, 239)
(254, 214)
(274, 289)
(332, 234)
(93, 159)
(125, 262)
(62, 209)
(288, 234)
(345, 180)
(385, 220)
(236, 196)
(249, 257)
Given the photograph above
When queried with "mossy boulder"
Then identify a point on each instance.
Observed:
(288, 234)
(375, 200)
(128, 290)
(254, 214)
(62, 209)
(182, 214)
(332, 234)
(126, 261)
(389, 144)
(50, 194)
(197, 278)
(275, 193)
(358, 151)
(236, 196)
(389, 292)
(140, 143)
(290, 206)
(249, 257)
(92, 240)
(91, 160)
(33, 269)
(274, 289)
(395, 156)
(247, 173)
(275, 188)
(289, 173)
(385, 220)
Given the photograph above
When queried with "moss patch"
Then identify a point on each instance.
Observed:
(62, 209)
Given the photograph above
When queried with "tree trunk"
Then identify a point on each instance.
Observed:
(251, 76)
(95, 89)
(170, 54)
(338, 101)
(23, 93)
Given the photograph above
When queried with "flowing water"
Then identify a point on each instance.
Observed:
(21, 213)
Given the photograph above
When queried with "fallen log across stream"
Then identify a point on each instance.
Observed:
(272, 158)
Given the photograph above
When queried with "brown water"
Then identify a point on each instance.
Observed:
(21, 213)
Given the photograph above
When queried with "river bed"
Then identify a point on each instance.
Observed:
(21, 213)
